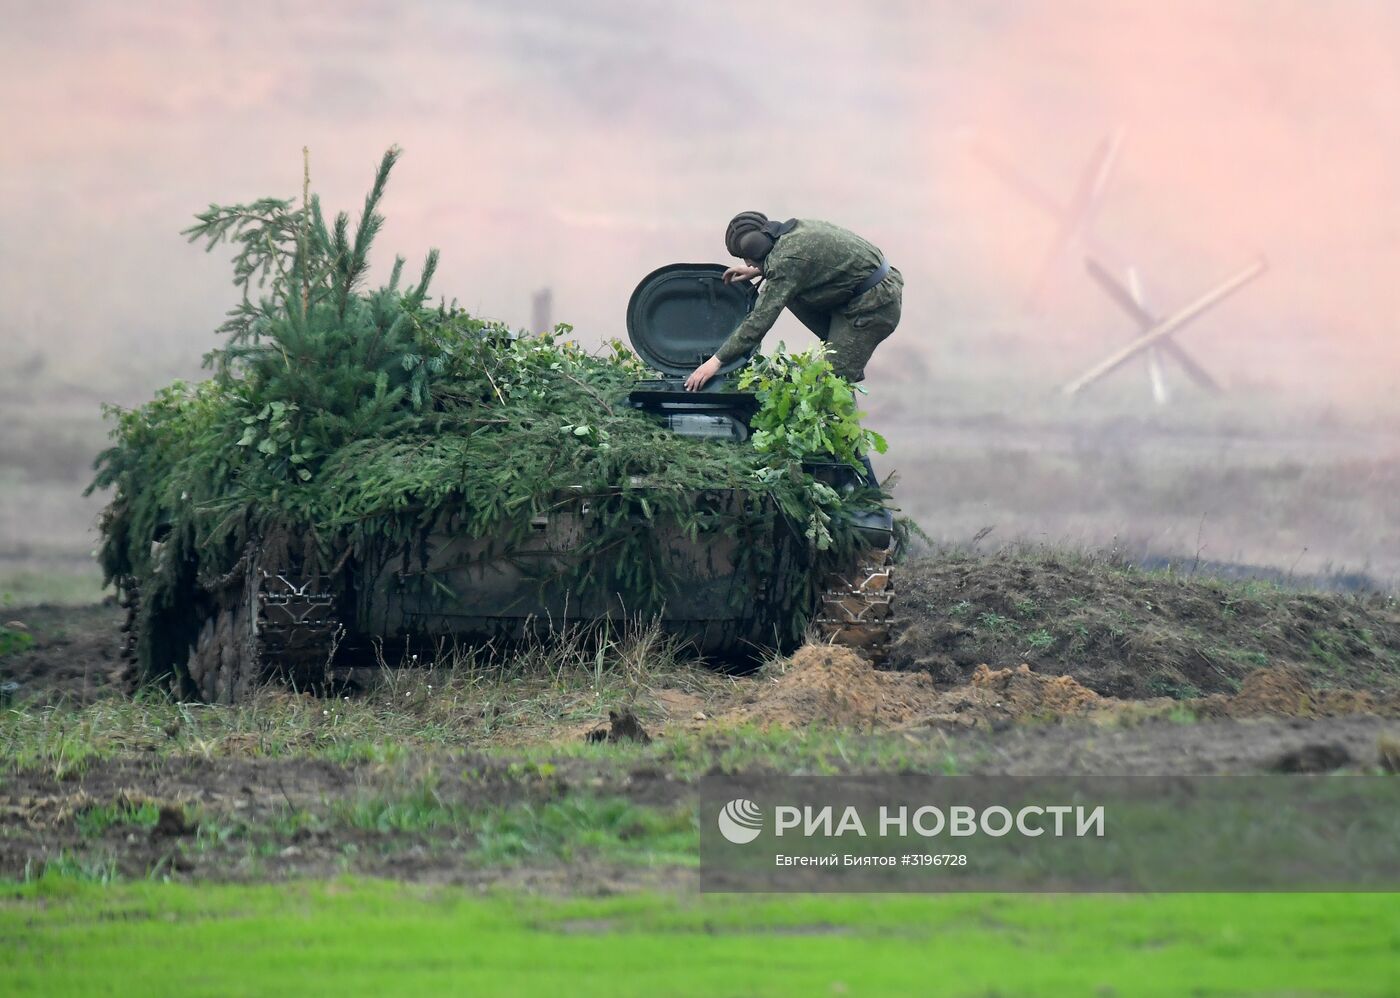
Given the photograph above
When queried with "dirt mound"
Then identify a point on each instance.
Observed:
(821, 684)
(1286, 692)
(1314, 757)
(1133, 634)
(995, 697)
(622, 726)
(832, 685)
(1282, 691)
(1027, 693)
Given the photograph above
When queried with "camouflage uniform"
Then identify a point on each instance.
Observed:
(813, 270)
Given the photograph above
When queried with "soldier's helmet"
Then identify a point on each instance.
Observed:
(741, 225)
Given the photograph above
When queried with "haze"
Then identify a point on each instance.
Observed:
(579, 146)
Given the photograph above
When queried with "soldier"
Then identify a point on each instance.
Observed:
(838, 285)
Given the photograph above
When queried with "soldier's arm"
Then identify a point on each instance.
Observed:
(778, 290)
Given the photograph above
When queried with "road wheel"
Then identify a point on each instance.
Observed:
(224, 664)
(127, 674)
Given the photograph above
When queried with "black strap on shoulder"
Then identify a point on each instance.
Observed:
(776, 229)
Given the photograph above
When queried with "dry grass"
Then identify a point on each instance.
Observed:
(466, 698)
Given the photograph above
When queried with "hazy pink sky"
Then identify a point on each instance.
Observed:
(579, 146)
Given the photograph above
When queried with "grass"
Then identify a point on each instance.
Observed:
(95, 820)
(573, 827)
(59, 584)
(1040, 639)
(475, 768)
(466, 699)
(612, 830)
(393, 730)
(75, 868)
(535, 705)
(65, 935)
(565, 828)
(13, 640)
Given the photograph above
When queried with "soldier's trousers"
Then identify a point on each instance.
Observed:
(850, 342)
(852, 334)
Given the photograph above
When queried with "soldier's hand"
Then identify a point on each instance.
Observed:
(702, 374)
(742, 274)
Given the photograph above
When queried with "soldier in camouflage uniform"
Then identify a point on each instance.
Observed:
(837, 284)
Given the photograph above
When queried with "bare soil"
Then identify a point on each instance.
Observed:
(75, 658)
(1165, 683)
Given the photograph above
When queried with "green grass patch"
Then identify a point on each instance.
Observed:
(610, 829)
(370, 937)
(95, 820)
(59, 584)
(468, 700)
(14, 640)
(551, 828)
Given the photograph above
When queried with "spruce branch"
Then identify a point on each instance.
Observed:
(305, 221)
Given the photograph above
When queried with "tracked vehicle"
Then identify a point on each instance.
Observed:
(270, 616)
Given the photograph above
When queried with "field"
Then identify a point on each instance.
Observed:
(1182, 579)
(455, 825)
(355, 937)
(1202, 590)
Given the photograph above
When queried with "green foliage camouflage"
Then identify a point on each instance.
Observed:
(805, 410)
(352, 418)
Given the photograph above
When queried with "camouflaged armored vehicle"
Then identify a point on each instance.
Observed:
(269, 617)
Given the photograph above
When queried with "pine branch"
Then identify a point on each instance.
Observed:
(357, 257)
(420, 291)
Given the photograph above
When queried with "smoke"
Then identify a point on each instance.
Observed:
(580, 147)
(1249, 128)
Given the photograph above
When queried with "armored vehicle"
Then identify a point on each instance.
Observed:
(271, 616)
